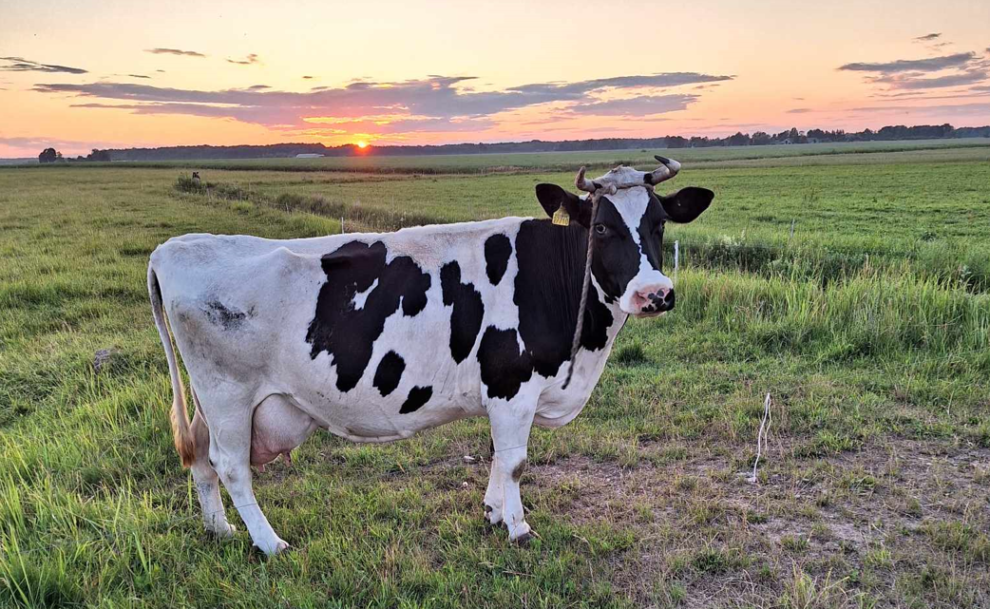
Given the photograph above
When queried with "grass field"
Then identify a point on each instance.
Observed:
(870, 327)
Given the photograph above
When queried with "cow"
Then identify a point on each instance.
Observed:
(376, 336)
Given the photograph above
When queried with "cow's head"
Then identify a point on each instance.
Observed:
(627, 231)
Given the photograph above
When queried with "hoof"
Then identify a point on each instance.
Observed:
(280, 547)
(523, 540)
(523, 535)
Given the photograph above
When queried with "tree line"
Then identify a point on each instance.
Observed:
(759, 138)
(50, 155)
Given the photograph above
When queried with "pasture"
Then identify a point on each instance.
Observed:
(852, 285)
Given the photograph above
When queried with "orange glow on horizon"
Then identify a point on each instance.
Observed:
(362, 144)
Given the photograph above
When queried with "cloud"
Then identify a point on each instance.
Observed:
(138, 76)
(19, 64)
(947, 71)
(637, 106)
(436, 96)
(928, 37)
(179, 52)
(908, 82)
(307, 77)
(436, 103)
(247, 61)
(800, 111)
(932, 64)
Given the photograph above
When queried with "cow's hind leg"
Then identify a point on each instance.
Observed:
(206, 478)
(511, 422)
(494, 494)
(230, 454)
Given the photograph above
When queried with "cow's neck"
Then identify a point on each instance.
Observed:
(548, 294)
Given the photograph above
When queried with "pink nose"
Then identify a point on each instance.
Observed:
(654, 300)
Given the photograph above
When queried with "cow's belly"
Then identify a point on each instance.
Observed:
(367, 418)
(408, 382)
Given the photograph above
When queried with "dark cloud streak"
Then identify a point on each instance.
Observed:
(178, 52)
(932, 64)
(19, 64)
(247, 61)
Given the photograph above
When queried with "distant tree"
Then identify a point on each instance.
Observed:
(48, 155)
(676, 141)
(761, 138)
(739, 139)
(102, 156)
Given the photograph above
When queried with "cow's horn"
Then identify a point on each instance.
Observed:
(668, 169)
(582, 183)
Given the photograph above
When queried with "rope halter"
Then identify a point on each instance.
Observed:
(616, 179)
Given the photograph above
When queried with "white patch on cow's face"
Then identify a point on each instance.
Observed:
(632, 204)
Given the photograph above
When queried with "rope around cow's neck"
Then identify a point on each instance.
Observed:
(576, 342)
(586, 285)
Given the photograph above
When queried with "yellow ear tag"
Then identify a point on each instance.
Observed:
(561, 217)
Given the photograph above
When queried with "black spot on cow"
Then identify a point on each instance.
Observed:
(615, 250)
(465, 320)
(650, 230)
(418, 396)
(226, 318)
(498, 248)
(389, 373)
(503, 367)
(348, 333)
(547, 293)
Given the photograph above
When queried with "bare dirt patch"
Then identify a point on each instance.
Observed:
(896, 522)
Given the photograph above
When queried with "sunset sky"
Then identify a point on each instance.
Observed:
(86, 74)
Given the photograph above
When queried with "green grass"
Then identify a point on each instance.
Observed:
(869, 327)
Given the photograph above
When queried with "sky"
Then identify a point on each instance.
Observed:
(100, 74)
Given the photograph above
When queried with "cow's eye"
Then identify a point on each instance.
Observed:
(600, 229)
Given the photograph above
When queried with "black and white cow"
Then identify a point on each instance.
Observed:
(375, 337)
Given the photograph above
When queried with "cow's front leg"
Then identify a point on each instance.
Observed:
(511, 422)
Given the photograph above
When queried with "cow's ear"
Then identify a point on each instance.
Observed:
(551, 197)
(686, 204)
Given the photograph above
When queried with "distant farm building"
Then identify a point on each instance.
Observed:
(309, 155)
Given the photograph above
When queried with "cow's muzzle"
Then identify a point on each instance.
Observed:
(653, 302)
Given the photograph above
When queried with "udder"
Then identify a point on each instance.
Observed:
(278, 428)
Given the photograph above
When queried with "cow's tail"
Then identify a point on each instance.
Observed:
(183, 436)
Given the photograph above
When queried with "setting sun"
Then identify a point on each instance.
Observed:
(362, 144)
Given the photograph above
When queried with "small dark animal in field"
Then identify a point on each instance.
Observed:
(195, 177)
